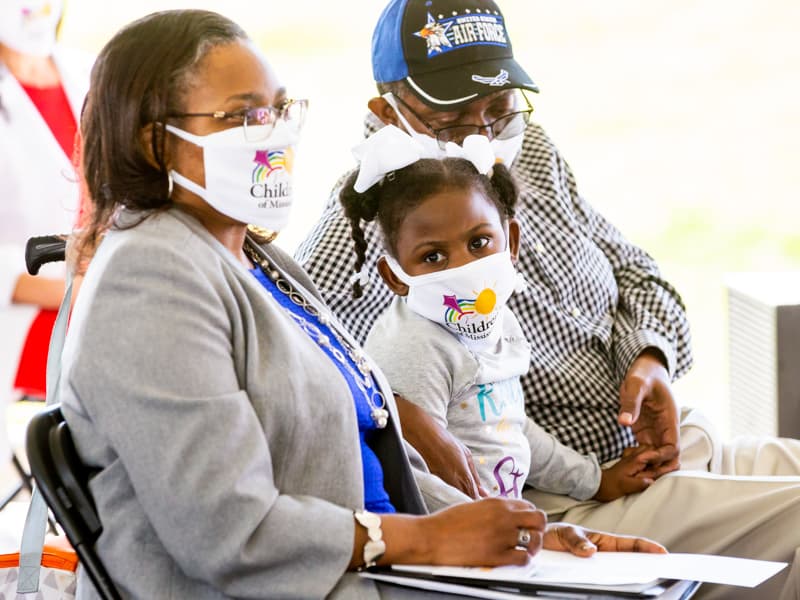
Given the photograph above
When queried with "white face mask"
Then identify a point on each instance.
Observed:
(505, 151)
(250, 181)
(430, 147)
(29, 26)
(467, 300)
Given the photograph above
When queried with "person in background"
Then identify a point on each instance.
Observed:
(42, 87)
(608, 332)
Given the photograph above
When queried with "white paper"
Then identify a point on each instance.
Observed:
(621, 568)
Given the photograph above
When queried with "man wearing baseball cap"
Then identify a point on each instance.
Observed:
(447, 53)
(608, 333)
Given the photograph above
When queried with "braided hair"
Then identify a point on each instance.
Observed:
(403, 190)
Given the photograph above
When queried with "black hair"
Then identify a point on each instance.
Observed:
(141, 75)
(403, 190)
(398, 88)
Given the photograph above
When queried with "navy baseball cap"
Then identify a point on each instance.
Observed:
(449, 52)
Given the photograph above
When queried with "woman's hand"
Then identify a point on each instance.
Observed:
(482, 533)
(585, 542)
(486, 533)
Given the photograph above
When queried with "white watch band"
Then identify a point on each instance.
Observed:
(375, 546)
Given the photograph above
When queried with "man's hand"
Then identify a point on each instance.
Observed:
(445, 456)
(648, 407)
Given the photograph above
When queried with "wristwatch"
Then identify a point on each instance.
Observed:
(375, 546)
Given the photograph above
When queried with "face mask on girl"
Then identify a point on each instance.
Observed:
(28, 26)
(505, 150)
(250, 181)
(467, 300)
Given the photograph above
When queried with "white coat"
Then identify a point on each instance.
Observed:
(38, 196)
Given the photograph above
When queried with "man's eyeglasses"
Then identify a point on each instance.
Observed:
(507, 126)
(259, 122)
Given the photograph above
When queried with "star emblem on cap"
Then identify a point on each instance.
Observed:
(434, 34)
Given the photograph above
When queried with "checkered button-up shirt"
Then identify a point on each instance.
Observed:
(594, 301)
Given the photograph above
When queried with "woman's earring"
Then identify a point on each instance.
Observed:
(169, 185)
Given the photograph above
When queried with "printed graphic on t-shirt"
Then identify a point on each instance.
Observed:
(499, 399)
(507, 475)
(502, 409)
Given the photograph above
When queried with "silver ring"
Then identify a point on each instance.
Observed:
(523, 537)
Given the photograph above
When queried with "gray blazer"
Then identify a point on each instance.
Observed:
(225, 439)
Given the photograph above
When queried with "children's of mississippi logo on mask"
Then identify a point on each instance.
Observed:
(473, 28)
(472, 318)
(272, 177)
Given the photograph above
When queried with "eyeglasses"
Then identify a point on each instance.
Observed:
(505, 127)
(259, 122)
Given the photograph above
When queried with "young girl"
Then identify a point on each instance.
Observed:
(448, 343)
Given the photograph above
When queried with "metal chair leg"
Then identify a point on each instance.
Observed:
(11, 494)
(26, 482)
(23, 474)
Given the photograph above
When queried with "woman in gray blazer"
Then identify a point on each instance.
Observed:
(237, 431)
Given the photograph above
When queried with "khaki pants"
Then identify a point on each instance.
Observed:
(740, 498)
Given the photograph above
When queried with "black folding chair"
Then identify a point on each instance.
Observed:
(64, 483)
(44, 249)
(38, 251)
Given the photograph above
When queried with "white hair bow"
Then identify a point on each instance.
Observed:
(391, 148)
(477, 149)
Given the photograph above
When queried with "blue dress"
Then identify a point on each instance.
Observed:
(375, 497)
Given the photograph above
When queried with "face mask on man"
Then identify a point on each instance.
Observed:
(28, 26)
(430, 147)
(468, 300)
(505, 151)
(249, 181)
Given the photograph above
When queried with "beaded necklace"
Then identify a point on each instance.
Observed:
(355, 363)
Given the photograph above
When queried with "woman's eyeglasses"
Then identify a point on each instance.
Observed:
(258, 122)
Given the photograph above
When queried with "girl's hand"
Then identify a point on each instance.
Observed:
(632, 473)
(585, 542)
(446, 457)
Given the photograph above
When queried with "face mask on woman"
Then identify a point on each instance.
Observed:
(250, 181)
(467, 300)
(28, 26)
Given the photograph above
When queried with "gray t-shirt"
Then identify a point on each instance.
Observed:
(478, 398)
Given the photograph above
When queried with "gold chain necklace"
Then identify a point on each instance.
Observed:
(362, 374)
